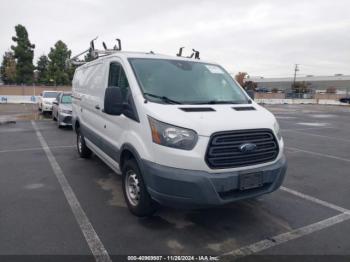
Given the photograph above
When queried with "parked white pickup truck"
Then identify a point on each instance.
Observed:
(46, 99)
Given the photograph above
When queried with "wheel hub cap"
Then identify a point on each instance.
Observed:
(132, 188)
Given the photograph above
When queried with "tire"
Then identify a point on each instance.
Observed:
(135, 192)
(83, 150)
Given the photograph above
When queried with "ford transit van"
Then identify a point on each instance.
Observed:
(181, 132)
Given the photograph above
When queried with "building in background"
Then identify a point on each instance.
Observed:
(319, 84)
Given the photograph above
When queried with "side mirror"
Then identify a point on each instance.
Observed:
(55, 102)
(113, 104)
(250, 93)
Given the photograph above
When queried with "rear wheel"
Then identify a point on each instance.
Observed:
(83, 150)
(135, 192)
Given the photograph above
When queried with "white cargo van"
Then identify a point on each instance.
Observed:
(181, 131)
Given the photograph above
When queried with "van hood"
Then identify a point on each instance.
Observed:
(219, 118)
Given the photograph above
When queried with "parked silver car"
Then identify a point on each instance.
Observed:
(62, 109)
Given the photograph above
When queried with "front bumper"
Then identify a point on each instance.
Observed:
(194, 189)
(65, 119)
(46, 108)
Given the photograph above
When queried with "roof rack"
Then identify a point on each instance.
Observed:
(95, 53)
(195, 53)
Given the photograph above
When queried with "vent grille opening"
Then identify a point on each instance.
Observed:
(197, 109)
(244, 108)
(223, 148)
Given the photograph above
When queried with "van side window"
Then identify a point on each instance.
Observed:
(117, 77)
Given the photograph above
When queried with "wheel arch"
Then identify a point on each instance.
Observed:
(127, 151)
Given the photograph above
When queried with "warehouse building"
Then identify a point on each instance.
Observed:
(318, 83)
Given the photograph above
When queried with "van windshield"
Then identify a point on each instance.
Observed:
(186, 82)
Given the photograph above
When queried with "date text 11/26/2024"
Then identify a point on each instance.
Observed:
(173, 258)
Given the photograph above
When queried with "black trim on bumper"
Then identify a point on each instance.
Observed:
(189, 188)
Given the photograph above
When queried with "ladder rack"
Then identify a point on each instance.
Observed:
(95, 53)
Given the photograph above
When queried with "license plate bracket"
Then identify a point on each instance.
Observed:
(250, 181)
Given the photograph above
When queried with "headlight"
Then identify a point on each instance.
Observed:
(172, 136)
(276, 127)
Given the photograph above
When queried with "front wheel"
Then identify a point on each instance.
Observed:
(135, 192)
(83, 150)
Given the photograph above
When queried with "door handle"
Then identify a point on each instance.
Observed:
(97, 107)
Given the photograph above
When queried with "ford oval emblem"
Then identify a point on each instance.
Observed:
(247, 147)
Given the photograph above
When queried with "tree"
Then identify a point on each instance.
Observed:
(23, 53)
(250, 85)
(8, 68)
(59, 72)
(43, 69)
(240, 77)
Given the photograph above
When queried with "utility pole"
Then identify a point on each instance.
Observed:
(296, 69)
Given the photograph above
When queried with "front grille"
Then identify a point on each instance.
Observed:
(67, 120)
(223, 149)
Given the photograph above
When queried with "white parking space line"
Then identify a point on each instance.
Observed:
(308, 128)
(288, 236)
(296, 233)
(321, 136)
(316, 200)
(319, 154)
(91, 237)
(33, 149)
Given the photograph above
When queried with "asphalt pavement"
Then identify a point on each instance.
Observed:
(309, 215)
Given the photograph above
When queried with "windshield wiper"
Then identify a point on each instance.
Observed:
(163, 98)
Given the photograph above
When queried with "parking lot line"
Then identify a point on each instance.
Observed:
(316, 135)
(91, 237)
(288, 236)
(33, 149)
(309, 128)
(318, 154)
(296, 233)
(315, 200)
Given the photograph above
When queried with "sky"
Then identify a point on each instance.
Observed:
(263, 38)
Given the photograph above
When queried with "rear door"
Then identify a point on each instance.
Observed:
(91, 104)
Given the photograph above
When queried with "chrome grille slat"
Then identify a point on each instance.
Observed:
(223, 148)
